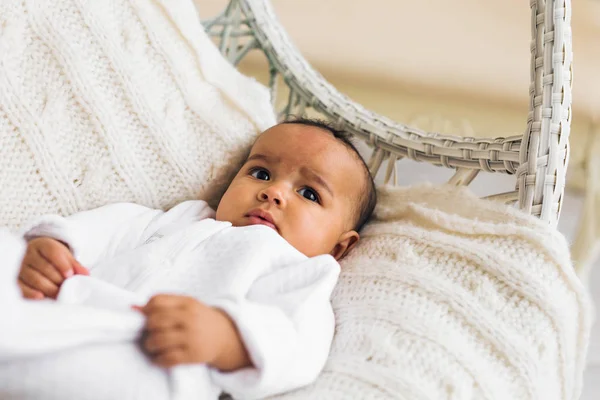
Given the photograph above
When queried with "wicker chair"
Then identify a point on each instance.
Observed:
(538, 158)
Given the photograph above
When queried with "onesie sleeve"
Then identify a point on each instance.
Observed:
(108, 230)
(286, 322)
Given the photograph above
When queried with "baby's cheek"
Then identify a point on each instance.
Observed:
(228, 205)
(302, 232)
(322, 233)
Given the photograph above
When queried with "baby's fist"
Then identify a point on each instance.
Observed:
(47, 263)
(182, 330)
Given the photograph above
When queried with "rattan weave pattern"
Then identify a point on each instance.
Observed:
(538, 158)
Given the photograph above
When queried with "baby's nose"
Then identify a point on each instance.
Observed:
(266, 197)
(273, 194)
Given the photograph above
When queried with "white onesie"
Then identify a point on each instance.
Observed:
(84, 345)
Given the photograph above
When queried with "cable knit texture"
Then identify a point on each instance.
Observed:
(121, 100)
(448, 296)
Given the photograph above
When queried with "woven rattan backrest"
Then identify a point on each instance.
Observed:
(538, 158)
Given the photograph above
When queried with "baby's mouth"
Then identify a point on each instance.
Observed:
(260, 217)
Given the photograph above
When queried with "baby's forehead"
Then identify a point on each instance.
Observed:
(284, 138)
(327, 154)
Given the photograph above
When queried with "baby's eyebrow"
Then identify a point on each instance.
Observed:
(264, 158)
(304, 170)
(317, 178)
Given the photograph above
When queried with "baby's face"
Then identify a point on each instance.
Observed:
(302, 182)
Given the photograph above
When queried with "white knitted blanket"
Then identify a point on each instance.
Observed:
(448, 296)
(112, 101)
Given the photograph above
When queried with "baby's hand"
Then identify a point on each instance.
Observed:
(182, 330)
(47, 263)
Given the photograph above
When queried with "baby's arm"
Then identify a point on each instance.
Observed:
(286, 324)
(106, 231)
(89, 235)
(57, 246)
(275, 340)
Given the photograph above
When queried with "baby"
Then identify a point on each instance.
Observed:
(250, 305)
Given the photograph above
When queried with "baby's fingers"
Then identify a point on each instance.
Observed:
(37, 281)
(58, 255)
(159, 342)
(171, 303)
(79, 269)
(171, 358)
(29, 292)
(160, 321)
(42, 265)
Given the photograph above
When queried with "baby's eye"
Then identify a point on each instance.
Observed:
(309, 194)
(261, 174)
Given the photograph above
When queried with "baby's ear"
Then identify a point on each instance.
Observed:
(345, 243)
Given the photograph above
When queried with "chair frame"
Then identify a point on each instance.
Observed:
(538, 158)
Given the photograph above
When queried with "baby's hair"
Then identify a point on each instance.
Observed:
(369, 197)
